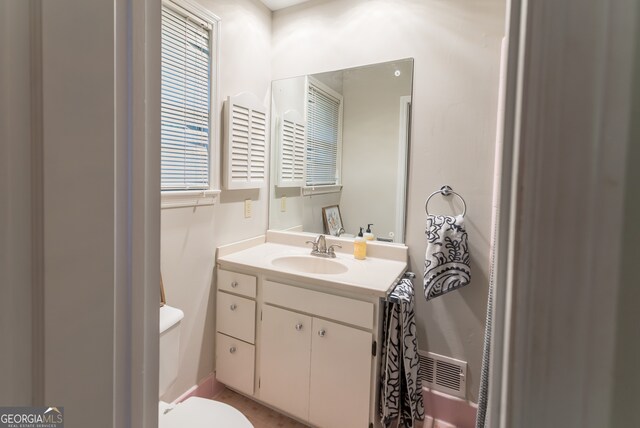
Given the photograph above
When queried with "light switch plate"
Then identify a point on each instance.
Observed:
(283, 204)
(247, 208)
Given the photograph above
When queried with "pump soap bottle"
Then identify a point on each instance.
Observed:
(360, 247)
(368, 235)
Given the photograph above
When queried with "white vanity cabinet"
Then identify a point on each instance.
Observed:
(315, 369)
(314, 350)
(316, 331)
(316, 355)
(235, 326)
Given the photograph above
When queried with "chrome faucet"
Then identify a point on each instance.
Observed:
(320, 247)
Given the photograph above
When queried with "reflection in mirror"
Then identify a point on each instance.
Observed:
(341, 139)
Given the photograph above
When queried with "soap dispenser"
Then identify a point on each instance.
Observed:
(368, 235)
(360, 247)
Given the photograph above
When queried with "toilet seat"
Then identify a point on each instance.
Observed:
(196, 412)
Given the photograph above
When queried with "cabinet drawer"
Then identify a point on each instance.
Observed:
(236, 316)
(238, 283)
(235, 361)
(343, 309)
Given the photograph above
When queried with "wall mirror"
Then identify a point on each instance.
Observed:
(341, 138)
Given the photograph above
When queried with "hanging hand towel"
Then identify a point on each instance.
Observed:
(401, 391)
(446, 263)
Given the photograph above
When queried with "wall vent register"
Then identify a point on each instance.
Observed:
(443, 374)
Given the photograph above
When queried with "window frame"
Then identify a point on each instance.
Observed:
(186, 198)
(325, 188)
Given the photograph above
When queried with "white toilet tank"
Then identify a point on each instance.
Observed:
(169, 346)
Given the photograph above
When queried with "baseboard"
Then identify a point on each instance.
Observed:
(207, 388)
(446, 411)
(429, 422)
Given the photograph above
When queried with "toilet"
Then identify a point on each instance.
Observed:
(194, 412)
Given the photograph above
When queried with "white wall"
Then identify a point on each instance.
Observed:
(287, 95)
(456, 47)
(332, 79)
(312, 220)
(15, 208)
(371, 147)
(191, 235)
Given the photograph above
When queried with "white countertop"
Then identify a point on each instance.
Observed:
(372, 276)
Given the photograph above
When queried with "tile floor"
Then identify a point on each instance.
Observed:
(263, 417)
(259, 415)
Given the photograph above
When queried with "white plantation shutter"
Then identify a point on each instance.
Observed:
(323, 128)
(185, 101)
(258, 146)
(245, 142)
(292, 150)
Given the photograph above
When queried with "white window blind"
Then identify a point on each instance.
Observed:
(323, 127)
(185, 101)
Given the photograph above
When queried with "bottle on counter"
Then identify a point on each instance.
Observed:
(360, 247)
(368, 235)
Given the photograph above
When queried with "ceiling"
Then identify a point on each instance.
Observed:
(281, 4)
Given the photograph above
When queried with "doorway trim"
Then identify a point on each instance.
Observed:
(567, 119)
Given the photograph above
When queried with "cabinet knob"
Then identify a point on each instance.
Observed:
(321, 333)
(233, 307)
(299, 326)
(234, 284)
(232, 350)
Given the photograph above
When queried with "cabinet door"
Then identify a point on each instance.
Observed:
(284, 360)
(235, 363)
(340, 376)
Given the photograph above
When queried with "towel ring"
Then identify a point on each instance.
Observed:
(446, 191)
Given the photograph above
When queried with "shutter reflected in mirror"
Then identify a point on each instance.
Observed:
(291, 159)
(245, 142)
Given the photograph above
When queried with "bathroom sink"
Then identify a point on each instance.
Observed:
(310, 264)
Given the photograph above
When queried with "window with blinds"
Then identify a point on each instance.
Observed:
(185, 101)
(323, 137)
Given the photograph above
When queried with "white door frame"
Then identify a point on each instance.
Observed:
(126, 270)
(567, 120)
(404, 141)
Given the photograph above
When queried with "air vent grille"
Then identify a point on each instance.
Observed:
(443, 373)
(427, 369)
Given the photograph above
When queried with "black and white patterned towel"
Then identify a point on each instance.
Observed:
(400, 388)
(446, 262)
